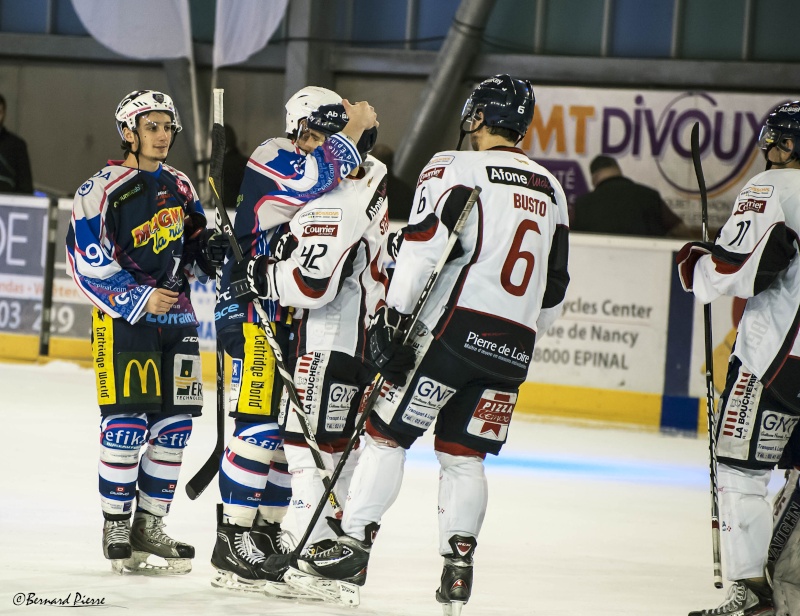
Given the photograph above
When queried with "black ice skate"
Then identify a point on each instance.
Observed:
(269, 537)
(745, 598)
(148, 540)
(236, 558)
(456, 585)
(116, 541)
(334, 571)
(276, 566)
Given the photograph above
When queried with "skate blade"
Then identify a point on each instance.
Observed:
(139, 564)
(280, 590)
(453, 608)
(333, 591)
(117, 566)
(231, 581)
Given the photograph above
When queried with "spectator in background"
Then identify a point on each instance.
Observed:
(233, 165)
(399, 192)
(618, 205)
(15, 167)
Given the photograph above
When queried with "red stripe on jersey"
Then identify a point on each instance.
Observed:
(421, 236)
(304, 288)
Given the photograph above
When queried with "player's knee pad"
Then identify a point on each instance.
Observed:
(745, 519)
(740, 480)
(121, 438)
(168, 439)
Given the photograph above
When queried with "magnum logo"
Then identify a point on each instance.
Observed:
(165, 227)
(141, 381)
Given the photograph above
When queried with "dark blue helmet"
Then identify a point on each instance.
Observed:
(782, 123)
(505, 102)
(331, 119)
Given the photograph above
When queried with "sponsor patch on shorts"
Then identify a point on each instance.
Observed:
(188, 380)
(776, 428)
(738, 417)
(492, 415)
(340, 399)
(428, 399)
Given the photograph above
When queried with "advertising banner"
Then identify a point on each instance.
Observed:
(23, 227)
(647, 131)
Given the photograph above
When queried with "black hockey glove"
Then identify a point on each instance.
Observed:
(281, 246)
(216, 247)
(386, 352)
(253, 278)
(393, 243)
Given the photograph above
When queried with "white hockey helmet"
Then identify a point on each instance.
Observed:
(304, 102)
(144, 101)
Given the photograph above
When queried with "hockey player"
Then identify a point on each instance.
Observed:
(783, 564)
(330, 266)
(281, 176)
(137, 235)
(754, 257)
(504, 282)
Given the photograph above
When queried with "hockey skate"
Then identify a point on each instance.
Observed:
(335, 572)
(456, 585)
(269, 538)
(236, 558)
(148, 540)
(117, 542)
(276, 566)
(744, 599)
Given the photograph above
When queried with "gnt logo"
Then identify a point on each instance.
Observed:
(432, 394)
(777, 426)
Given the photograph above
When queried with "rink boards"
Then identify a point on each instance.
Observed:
(627, 350)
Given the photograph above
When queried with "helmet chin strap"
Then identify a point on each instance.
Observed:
(770, 164)
(463, 132)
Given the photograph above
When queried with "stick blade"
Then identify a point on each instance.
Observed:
(203, 478)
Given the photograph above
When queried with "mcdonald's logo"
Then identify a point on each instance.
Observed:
(143, 371)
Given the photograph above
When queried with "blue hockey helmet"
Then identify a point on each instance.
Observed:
(782, 124)
(504, 101)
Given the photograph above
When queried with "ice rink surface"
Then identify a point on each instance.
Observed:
(581, 520)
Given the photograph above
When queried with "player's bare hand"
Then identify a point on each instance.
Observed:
(161, 301)
(362, 115)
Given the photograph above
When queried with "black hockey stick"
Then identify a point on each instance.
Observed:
(218, 137)
(202, 478)
(379, 381)
(710, 411)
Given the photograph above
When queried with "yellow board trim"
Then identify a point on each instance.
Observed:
(585, 403)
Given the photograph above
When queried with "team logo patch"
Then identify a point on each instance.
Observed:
(776, 428)
(188, 380)
(85, 188)
(321, 230)
(309, 379)
(750, 205)
(738, 416)
(757, 192)
(492, 415)
(315, 216)
(428, 399)
(431, 172)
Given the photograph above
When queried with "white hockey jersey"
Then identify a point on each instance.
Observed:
(335, 271)
(754, 257)
(507, 277)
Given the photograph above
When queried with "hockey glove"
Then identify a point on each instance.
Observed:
(687, 258)
(393, 243)
(216, 247)
(386, 352)
(282, 246)
(252, 278)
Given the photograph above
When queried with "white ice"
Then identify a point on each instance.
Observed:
(581, 520)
